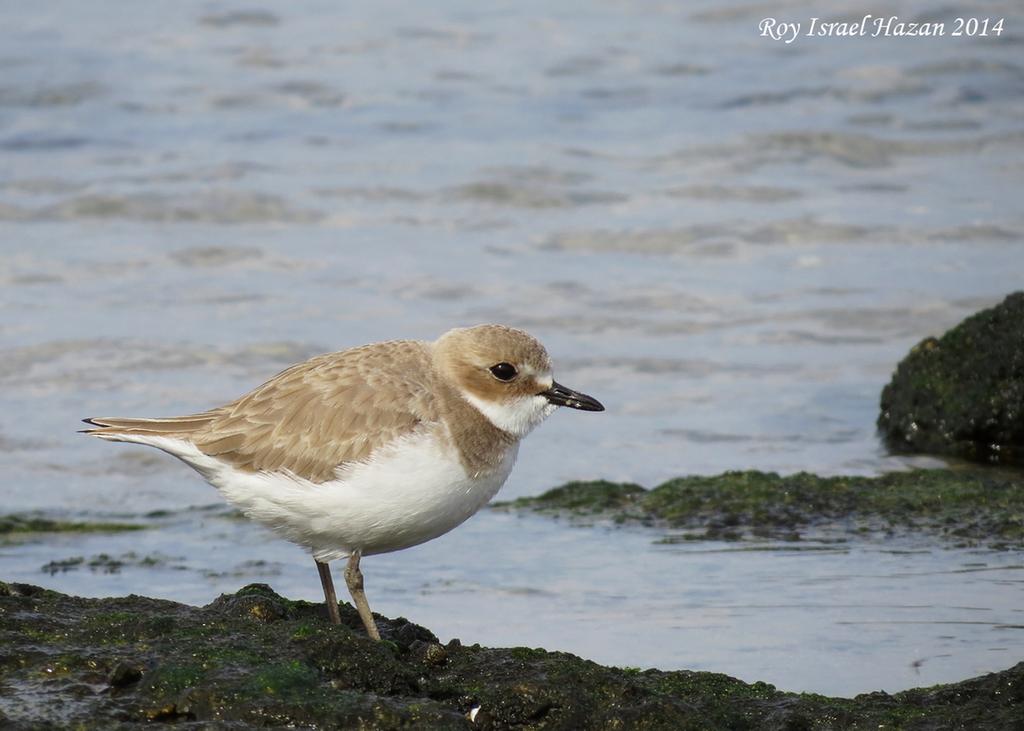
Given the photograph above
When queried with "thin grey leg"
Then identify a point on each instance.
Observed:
(329, 596)
(354, 579)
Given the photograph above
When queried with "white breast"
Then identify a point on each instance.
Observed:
(412, 490)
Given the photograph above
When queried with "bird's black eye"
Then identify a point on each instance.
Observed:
(503, 371)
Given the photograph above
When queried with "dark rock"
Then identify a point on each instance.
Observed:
(256, 601)
(406, 634)
(67, 662)
(962, 394)
(124, 674)
(429, 653)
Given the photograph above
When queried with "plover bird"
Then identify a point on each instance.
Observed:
(372, 449)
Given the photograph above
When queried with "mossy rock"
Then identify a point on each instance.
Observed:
(35, 523)
(581, 498)
(962, 394)
(964, 506)
(125, 663)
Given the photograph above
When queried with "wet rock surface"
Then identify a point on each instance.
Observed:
(256, 659)
(962, 394)
(978, 506)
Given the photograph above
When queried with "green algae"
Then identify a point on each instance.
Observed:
(17, 525)
(224, 666)
(303, 631)
(589, 497)
(966, 506)
(284, 679)
(170, 679)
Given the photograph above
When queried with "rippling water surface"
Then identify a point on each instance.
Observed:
(729, 240)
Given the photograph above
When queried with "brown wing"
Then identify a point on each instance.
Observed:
(313, 417)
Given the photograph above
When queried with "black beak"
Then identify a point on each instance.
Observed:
(562, 396)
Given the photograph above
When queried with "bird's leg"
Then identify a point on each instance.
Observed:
(354, 579)
(329, 596)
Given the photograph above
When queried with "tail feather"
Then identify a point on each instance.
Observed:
(178, 426)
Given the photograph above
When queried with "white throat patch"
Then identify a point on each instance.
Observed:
(517, 417)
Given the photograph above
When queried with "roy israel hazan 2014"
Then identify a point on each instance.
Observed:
(878, 27)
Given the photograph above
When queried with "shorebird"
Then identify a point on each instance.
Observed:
(371, 449)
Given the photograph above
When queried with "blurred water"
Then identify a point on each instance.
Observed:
(729, 241)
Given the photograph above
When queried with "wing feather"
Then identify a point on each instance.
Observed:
(313, 417)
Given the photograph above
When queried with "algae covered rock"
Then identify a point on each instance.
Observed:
(19, 525)
(962, 394)
(965, 506)
(257, 660)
